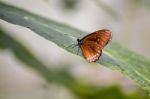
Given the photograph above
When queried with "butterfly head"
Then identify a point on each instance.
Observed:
(79, 41)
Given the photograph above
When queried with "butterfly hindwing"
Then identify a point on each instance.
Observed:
(90, 51)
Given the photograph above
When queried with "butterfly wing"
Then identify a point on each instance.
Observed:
(91, 53)
(93, 44)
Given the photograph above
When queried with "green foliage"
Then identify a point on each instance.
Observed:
(136, 67)
(63, 77)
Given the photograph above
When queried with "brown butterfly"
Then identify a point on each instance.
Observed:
(92, 44)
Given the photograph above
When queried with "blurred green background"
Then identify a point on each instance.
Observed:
(71, 78)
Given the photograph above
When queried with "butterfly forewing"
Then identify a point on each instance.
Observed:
(93, 44)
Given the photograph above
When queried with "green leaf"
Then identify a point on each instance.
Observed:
(62, 77)
(116, 57)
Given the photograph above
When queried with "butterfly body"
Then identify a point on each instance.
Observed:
(92, 44)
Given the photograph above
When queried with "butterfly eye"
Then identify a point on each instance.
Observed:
(78, 40)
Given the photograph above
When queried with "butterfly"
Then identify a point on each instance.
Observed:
(92, 44)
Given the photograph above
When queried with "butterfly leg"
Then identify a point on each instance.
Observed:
(78, 51)
(72, 46)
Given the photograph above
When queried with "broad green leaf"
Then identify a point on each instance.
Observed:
(62, 77)
(116, 57)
